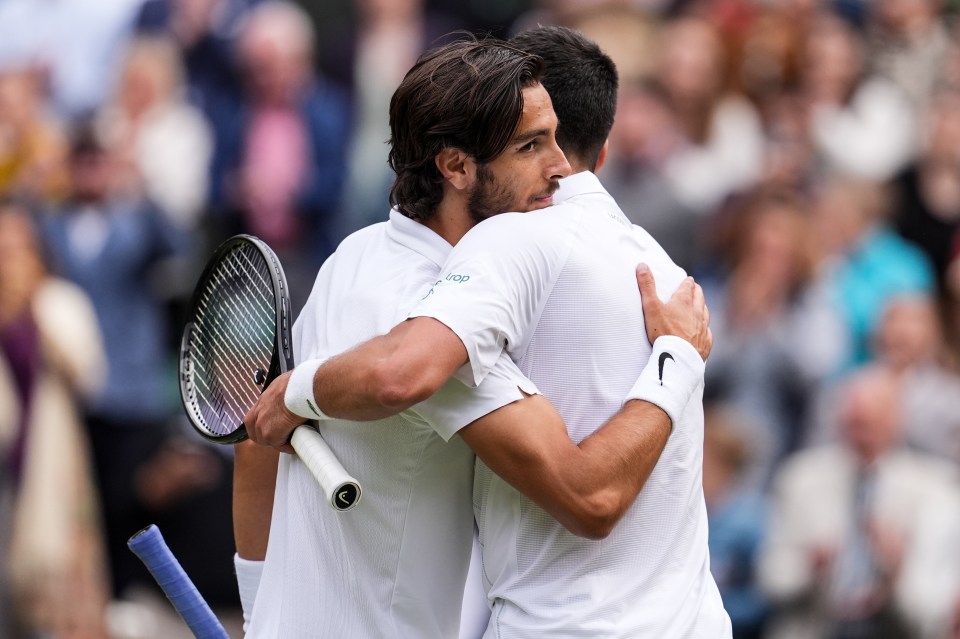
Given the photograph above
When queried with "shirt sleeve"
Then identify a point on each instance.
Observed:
(456, 405)
(493, 286)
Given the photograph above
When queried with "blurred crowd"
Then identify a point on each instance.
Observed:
(801, 158)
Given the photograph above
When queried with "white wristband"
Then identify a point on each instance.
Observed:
(299, 397)
(674, 372)
(248, 582)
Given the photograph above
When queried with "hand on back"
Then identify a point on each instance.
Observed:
(684, 315)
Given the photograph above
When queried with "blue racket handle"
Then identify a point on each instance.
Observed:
(149, 546)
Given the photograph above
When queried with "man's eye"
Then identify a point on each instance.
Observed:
(529, 146)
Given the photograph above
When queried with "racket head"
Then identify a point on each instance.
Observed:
(236, 339)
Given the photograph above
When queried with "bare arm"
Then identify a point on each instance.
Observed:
(391, 373)
(587, 488)
(254, 480)
(377, 379)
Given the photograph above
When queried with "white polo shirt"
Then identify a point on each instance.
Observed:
(556, 289)
(395, 565)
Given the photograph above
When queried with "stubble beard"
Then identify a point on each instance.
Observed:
(488, 197)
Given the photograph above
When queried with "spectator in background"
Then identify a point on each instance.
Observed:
(76, 43)
(628, 34)
(844, 524)
(950, 302)
(909, 44)
(789, 155)
(51, 358)
(737, 515)
(767, 70)
(371, 61)
(777, 334)
(203, 31)
(910, 340)
(163, 140)
(110, 241)
(33, 146)
(645, 135)
(279, 165)
(861, 125)
(723, 138)
(868, 262)
(927, 211)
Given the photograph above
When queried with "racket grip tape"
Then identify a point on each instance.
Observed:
(342, 491)
(150, 547)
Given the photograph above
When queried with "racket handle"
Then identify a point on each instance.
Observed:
(149, 546)
(342, 491)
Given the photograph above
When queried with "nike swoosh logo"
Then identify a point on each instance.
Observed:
(663, 358)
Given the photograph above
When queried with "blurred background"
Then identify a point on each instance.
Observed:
(801, 158)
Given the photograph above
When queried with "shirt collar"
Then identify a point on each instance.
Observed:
(587, 183)
(417, 237)
(578, 184)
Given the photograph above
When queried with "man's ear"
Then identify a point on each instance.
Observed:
(456, 167)
(602, 158)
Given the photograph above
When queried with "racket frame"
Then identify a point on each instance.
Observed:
(282, 359)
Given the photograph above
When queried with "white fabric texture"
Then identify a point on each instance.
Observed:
(556, 289)
(395, 565)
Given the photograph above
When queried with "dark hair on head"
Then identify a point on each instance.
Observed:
(582, 82)
(466, 95)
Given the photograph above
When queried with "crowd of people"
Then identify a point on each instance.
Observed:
(800, 158)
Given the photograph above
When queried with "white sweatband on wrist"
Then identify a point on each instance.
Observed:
(299, 397)
(669, 379)
(248, 582)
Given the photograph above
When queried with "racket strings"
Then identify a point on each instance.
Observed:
(233, 338)
(215, 348)
(229, 364)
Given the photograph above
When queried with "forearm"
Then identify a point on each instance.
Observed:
(254, 481)
(620, 456)
(616, 461)
(586, 487)
(390, 373)
(597, 481)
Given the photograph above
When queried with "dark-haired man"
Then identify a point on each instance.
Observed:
(472, 135)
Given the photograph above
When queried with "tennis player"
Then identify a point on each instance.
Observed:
(473, 134)
(552, 289)
(395, 565)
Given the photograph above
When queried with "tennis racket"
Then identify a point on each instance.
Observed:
(150, 547)
(236, 341)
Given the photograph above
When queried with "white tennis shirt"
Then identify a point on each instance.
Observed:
(395, 565)
(556, 289)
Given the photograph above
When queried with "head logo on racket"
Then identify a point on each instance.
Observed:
(346, 496)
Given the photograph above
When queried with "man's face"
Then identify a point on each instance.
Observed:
(525, 176)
